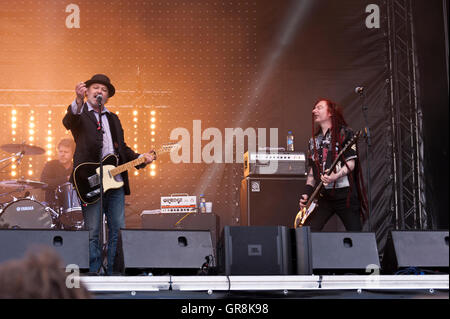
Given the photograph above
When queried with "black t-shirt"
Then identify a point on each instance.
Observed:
(54, 174)
(325, 155)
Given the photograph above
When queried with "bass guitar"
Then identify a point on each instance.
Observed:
(311, 204)
(86, 176)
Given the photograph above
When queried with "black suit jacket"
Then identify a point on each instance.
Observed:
(88, 139)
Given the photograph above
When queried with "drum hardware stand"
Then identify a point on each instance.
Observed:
(19, 155)
(54, 215)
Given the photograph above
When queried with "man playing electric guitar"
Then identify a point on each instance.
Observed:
(94, 142)
(340, 194)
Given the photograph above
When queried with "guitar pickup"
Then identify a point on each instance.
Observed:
(94, 180)
(93, 193)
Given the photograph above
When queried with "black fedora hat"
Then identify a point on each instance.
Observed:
(102, 79)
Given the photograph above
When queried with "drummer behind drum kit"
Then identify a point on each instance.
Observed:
(27, 212)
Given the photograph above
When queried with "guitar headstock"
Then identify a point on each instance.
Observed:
(350, 142)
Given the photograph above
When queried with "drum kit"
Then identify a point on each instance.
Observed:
(26, 211)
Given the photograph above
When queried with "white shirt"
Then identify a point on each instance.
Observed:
(108, 146)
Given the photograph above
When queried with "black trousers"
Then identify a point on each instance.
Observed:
(335, 201)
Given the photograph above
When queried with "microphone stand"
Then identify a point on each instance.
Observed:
(102, 222)
(362, 94)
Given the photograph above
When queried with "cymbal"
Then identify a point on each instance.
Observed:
(26, 149)
(25, 184)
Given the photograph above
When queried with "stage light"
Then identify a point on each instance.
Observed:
(49, 137)
(152, 173)
(13, 173)
(30, 172)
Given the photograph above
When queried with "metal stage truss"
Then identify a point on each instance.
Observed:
(407, 171)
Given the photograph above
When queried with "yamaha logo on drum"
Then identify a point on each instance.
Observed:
(24, 208)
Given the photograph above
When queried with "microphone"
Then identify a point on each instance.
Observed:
(99, 98)
(359, 89)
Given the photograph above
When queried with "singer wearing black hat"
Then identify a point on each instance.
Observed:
(82, 119)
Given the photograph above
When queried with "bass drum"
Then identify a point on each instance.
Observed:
(26, 213)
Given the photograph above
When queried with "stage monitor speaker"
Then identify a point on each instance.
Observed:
(184, 221)
(255, 250)
(166, 249)
(71, 246)
(344, 252)
(419, 249)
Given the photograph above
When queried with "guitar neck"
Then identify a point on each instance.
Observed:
(124, 167)
(138, 161)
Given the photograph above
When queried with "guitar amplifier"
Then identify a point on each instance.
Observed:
(178, 203)
(280, 163)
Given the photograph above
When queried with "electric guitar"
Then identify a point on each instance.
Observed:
(86, 176)
(311, 204)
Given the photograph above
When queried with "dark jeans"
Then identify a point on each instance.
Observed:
(114, 209)
(334, 201)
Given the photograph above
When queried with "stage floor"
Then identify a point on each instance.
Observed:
(272, 287)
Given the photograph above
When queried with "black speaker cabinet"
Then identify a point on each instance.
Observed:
(168, 249)
(255, 250)
(420, 249)
(343, 252)
(72, 246)
(183, 221)
(270, 201)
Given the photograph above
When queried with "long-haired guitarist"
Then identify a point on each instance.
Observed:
(342, 188)
(92, 143)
